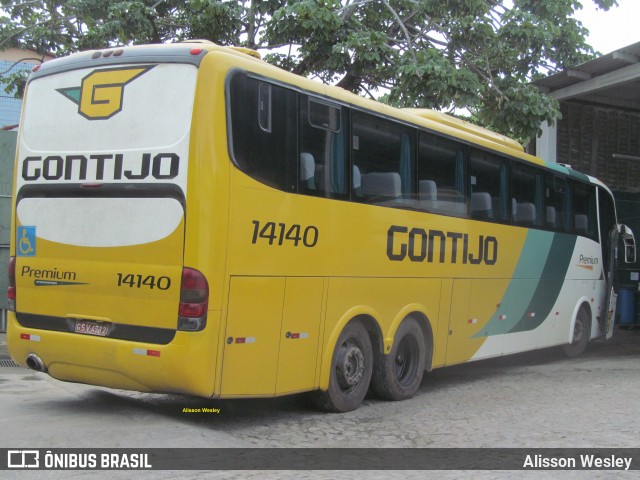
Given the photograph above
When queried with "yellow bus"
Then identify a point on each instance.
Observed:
(188, 218)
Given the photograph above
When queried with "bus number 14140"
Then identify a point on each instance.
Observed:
(278, 233)
(141, 281)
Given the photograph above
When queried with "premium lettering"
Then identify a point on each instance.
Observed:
(54, 274)
(588, 260)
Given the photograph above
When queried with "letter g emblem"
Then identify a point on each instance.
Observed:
(100, 94)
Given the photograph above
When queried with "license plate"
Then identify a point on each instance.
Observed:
(88, 327)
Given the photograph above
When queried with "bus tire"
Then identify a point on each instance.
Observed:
(351, 368)
(581, 335)
(399, 373)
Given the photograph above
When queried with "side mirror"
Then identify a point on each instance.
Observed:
(629, 244)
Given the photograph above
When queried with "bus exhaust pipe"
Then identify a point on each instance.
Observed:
(34, 363)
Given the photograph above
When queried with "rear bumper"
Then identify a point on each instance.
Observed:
(185, 365)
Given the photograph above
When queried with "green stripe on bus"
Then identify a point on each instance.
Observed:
(550, 284)
(521, 289)
(535, 286)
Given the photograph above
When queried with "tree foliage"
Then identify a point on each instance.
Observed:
(479, 55)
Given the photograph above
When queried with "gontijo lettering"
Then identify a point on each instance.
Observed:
(420, 245)
(102, 166)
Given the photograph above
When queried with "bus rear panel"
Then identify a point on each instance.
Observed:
(101, 292)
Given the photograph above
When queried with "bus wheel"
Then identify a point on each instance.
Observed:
(351, 367)
(399, 373)
(581, 334)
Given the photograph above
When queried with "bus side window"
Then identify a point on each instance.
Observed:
(555, 190)
(607, 221)
(264, 106)
(264, 131)
(382, 153)
(323, 148)
(490, 197)
(441, 175)
(584, 210)
(527, 195)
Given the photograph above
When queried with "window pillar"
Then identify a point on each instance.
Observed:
(546, 145)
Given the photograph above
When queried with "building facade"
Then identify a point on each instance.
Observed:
(15, 60)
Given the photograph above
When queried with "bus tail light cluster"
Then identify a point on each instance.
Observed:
(194, 300)
(11, 291)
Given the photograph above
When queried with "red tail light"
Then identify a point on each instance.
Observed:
(11, 291)
(194, 300)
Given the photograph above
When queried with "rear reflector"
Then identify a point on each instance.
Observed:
(30, 337)
(146, 353)
(194, 300)
(11, 291)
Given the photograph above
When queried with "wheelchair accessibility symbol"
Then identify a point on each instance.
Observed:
(26, 241)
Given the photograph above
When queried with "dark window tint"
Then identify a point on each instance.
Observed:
(490, 197)
(382, 154)
(607, 223)
(324, 154)
(323, 115)
(527, 189)
(264, 106)
(264, 131)
(441, 175)
(557, 203)
(303, 143)
(584, 210)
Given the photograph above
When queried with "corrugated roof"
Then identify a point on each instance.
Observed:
(605, 64)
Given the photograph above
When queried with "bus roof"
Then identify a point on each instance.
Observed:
(465, 126)
(191, 51)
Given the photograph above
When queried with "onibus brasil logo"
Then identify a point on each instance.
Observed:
(100, 93)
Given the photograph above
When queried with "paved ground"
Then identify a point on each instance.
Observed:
(538, 399)
(4, 355)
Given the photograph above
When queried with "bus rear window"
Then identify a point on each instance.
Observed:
(264, 131)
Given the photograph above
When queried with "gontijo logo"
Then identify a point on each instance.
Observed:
(100, 93)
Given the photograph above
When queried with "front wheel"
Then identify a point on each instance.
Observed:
(399, 373)
(351, 367)
(581, 335)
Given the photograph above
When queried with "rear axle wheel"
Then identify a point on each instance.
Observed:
(398, 374)
(351, 367)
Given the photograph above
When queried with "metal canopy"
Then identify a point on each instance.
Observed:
(612, 80)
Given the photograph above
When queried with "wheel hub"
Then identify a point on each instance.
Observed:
(350, 366)
(578, 332)
(405, 359)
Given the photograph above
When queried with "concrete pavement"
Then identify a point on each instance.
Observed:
(4, 354)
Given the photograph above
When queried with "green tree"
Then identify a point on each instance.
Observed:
(479, 55)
